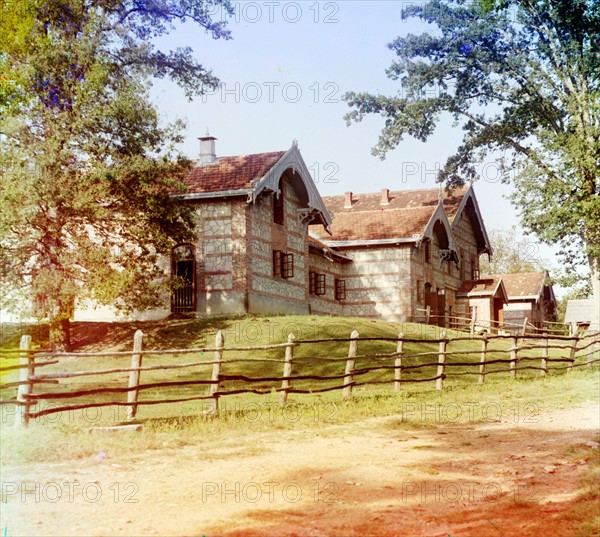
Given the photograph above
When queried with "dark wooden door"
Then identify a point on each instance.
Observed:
(431, 300)
(441, 310)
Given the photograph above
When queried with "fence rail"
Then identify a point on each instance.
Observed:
(474, 325)
(579, 351)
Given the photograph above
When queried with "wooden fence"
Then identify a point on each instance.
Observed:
(579, 351)
(473, 325)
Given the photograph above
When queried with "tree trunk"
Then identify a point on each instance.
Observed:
(60, 333)
(595, 273)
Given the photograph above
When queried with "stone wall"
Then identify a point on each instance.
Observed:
(221, 256)
(446, 276)
(327, 304)
(269, 293)
(378, 282)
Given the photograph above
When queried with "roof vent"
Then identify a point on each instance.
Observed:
(207, 149)
(348, 200)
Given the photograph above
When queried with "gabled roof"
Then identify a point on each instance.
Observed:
(469, 206)
(483, 287)
(404, 219)
(249, 175)
(524, 285)
(230, 173)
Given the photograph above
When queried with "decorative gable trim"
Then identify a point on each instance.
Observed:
(292, 159)
(440, 214)
(484, 246)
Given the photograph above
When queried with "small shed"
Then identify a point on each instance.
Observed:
(582, 313)
(530, 296)
(483, 301)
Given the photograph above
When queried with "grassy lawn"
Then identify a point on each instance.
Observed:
(462, 399)
(260, 331)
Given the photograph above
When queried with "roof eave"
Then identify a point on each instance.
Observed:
(370, 242)
(216, 194)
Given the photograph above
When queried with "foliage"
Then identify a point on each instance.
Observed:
(512, 254)
(521, 77)
(88, 169)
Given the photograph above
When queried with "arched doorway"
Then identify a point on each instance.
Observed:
(183, 277)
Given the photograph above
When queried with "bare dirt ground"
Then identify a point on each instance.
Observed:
(380, 477)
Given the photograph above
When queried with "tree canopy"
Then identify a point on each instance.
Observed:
(520, 78)
(88, 170)
(512, 254)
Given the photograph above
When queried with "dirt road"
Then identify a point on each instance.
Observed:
(381, 477)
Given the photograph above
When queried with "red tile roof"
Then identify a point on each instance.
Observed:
(322, 247)
(522, 284)
(230, 173)
(406, 214)
(485, 286)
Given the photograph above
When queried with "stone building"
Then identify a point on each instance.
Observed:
(267, 242)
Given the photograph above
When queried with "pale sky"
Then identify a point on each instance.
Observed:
(283, 75)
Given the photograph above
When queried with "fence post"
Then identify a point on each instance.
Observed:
(484, 344)
(427, 314)
(134, 376)
(214, 387)
(398, 362)
(472, 327)
(524, 327)
(287, 369)
(573, 351)
(439, 383)
(350, 364)
(513, 358)
(590, 356)
(25, 358)
(544, 370)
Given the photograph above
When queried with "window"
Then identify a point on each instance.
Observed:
(474, 268)
(340, 289)
(320, 288)
(420, 296)
(278, 205)
(316, 283)
(287, 265)
(312, 283)
(276, 263)
(427, 250)
(462, 264)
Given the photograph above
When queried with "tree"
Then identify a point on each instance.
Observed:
(512, 254)
(88, 171)
(521, 77)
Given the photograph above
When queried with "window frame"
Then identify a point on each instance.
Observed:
(420, 292)
(287, 266)
(340, 289)
(321, 285)
(276, 263)
(312, 282)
